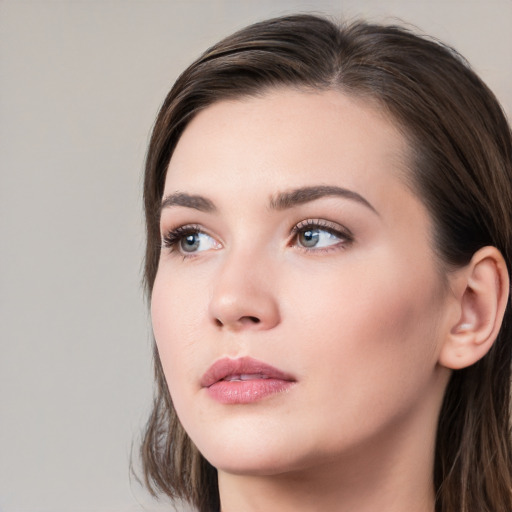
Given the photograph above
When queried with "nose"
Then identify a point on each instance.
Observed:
(244, 296)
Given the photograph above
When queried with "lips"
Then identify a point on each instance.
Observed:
(244, 380)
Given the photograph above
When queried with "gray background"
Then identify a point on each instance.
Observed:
(81, 82)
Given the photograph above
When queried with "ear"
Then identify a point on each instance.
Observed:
(481, 289)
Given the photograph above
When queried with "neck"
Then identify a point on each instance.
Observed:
(309, 494)
(389, 487)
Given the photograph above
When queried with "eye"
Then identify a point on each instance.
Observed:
(189, 240)
(315, 237)
(196, 242)
(317, 234)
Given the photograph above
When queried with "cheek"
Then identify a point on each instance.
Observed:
(368, 352)
(176, 327)
(371, 322)
(163, 309)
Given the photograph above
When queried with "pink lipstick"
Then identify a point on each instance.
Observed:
(244, 380)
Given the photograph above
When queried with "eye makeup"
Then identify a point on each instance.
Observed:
(309, 235)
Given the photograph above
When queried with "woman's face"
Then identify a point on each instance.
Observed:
(298, 308)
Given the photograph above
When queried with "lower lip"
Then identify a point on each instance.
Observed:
(247, 391)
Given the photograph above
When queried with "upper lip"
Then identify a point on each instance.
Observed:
(227, 367)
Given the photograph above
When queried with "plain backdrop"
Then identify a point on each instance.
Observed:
(80, 84)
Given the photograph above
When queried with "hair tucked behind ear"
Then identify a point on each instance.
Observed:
(461, 167)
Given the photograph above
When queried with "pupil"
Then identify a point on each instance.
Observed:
(310, 238)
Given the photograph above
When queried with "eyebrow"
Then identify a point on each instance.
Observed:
(289, 199)
(281, 201)
(188, 201)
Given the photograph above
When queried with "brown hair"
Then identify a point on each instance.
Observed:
(461, 168)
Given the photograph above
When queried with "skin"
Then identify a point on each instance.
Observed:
(358, 321)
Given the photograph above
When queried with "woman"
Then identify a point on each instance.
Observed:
(329, 219)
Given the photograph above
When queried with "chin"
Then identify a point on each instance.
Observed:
(251, 465)
(251, 458)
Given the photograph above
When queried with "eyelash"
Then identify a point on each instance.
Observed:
(173, 237)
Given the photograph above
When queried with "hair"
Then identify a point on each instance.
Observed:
(461, 168)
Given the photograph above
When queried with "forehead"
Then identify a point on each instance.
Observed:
(288, 135)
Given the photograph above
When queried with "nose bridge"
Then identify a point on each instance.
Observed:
(244, 292)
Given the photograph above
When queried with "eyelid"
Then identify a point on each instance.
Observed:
(326, 225)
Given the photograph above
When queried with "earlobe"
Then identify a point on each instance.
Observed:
(482, 292)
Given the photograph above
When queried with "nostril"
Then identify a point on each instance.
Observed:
(243, 320)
